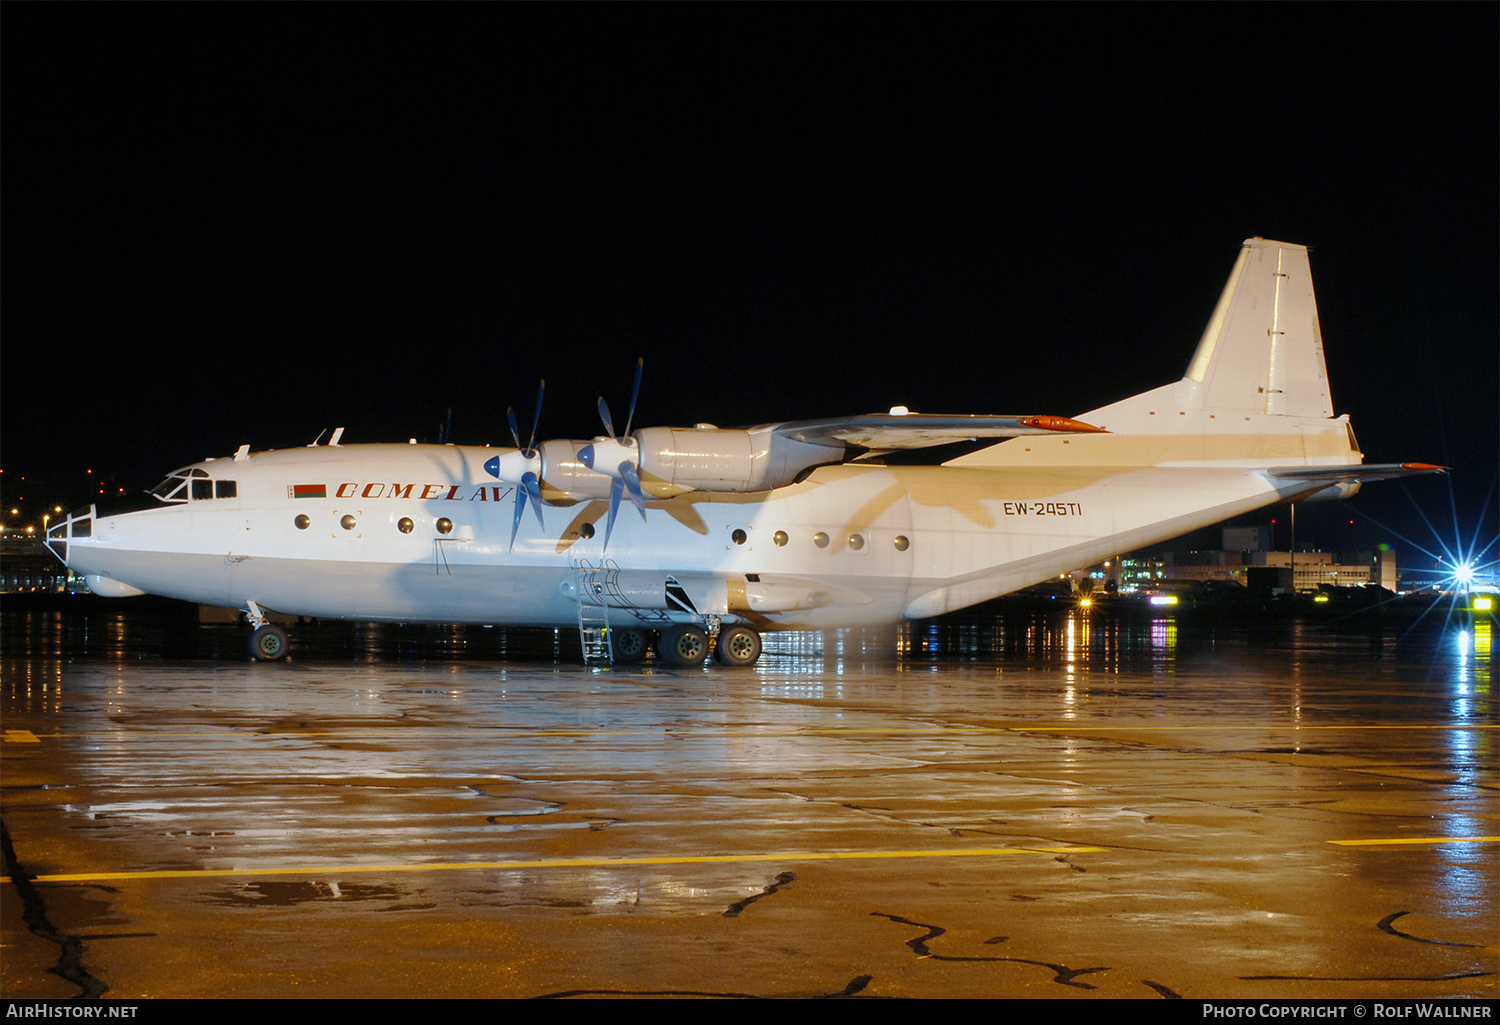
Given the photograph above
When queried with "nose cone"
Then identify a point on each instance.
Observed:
(606, 455)
(512, 466)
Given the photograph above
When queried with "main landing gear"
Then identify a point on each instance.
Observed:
(738, 646)
(687, 645)
(268, 642)
(626, 647)
(683, 645)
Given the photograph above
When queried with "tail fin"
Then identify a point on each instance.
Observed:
(1263, 350)
(1255, 392)
(1260, 356)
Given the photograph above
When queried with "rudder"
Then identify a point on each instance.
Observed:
(1263, 349)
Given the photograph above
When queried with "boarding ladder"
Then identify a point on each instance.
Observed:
(590, 585)
(597, 590)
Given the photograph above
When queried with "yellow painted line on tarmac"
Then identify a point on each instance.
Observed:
(21, 737)
(1394, 841)
(469, 866)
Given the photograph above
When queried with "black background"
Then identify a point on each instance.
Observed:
(251, 224)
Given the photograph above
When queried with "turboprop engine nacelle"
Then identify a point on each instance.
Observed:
(670, 460)
(739, 461)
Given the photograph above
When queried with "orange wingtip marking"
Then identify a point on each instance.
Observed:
(1424, 467)
(1061, 423)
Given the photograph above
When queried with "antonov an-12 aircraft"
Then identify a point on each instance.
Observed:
(788, 526)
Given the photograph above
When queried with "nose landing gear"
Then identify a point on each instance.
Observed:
(268, 642)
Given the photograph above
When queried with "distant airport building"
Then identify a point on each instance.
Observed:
(26, 566)
(1244, 559)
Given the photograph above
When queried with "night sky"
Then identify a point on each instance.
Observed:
(252, 224)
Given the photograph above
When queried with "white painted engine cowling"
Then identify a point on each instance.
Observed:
(716, 460)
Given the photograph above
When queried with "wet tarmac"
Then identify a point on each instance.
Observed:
(998, 805)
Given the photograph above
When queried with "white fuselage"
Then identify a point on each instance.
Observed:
(422, 533)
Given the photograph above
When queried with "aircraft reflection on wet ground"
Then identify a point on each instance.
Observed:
(995, 633)
(1012, 803)
(1071, 640)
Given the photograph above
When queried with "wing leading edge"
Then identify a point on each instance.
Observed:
(884, 432)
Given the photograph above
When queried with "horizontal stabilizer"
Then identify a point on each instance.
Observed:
(1353, 474)
(889, 431)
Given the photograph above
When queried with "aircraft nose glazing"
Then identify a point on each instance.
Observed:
(72, 526)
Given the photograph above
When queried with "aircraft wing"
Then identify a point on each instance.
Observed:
(890, 431)
(1353, 474)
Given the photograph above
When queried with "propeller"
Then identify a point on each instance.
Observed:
(615, 456)
(522, 467)
(621, 453)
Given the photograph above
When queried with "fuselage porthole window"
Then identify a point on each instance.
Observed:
(302, 522)
(902, 543)
(445, 526)
(820, 539)
(780, 538)
(405, 525)
(347, 522)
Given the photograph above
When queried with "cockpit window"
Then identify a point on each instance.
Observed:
(190, 482)
(173, 489)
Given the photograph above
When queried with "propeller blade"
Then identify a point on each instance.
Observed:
(515, 523)
(616, 487)
(515, 432)
(537, 420)
(640, 368)
(609, 427)
(632, 479)
(534, 490)
(635, 393)
(529, 449)
(528, 488)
